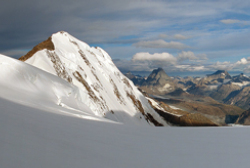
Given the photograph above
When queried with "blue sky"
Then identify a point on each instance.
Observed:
(180, 36)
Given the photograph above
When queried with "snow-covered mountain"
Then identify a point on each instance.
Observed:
(101, 86)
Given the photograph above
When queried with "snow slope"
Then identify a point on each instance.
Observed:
(30, 86)
(103, 88)
(38, 138)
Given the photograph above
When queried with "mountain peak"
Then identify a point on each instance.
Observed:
(61, 38)
(102, 87)
(240, 78)
(159, 69)
(220, 72)
(157, 75)
(158, 82)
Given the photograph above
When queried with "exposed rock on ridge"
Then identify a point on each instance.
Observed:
(47, 44)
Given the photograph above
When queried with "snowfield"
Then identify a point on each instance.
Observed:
(39, 138)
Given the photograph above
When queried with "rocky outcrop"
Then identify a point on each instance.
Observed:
(244, 118)
(47, 44)
(213, 110)
(179, 117)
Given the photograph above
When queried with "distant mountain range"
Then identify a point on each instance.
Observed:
(218, 89)
(219, 86)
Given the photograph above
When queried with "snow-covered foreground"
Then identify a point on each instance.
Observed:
(31, 137)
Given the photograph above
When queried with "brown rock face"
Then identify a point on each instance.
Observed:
(190, 119)
(213, 110)
(244, 118)
(195, 119)
(47, 44)
(181, 118)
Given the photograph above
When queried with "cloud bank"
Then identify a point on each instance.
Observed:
(154, 57)
(186, 61)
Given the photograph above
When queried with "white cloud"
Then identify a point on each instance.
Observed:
(160, 44)
(239, 65)
(186, 55)
(230, 21)
(166, 57)
(243, 61)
